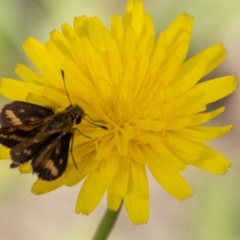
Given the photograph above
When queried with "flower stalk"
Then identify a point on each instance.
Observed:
(106, 225)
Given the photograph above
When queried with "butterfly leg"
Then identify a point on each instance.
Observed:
(71, 151)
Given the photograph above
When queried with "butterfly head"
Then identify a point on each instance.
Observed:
(76, 113)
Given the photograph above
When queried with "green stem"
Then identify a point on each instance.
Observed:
(106, 224)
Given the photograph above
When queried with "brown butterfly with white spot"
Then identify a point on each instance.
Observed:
(35, 133)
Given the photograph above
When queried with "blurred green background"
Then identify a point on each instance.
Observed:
(213, 212)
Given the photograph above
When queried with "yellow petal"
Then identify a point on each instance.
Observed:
(56, 53)
(13, 89)
(98, 35)
(37, 54)
(119, 185)
(185, 150)
(109, 167)
(68, 31)
(114, 200)
(90, 194)
(25, 168)
(72, 176)
(136, 206)
(215, 89)
(202, 133)
(60, 42)
(191, 76)
(4, 153)
(28, 75)
(139, 178)
(214, 55)
(104, 149)
(182, 23)
(134, 16)
(42, 187)
(172, 182)
(117, 29)
(212, 161)
(180, 122)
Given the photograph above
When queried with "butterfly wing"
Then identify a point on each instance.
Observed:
(21, 113)
(35, 134)
(52, 162)
(21, 120)
(13, 135)
(30, 148)
(48, 153)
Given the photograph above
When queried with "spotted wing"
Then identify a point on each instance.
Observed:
(13, 135)
(20, 121)
(18, 113)
(48, 153)
(52, 162)
(30, 148)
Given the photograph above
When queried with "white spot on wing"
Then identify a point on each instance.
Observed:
(12, 116)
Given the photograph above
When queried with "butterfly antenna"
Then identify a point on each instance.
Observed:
(94, 123)
(63, 77)
(64, 83)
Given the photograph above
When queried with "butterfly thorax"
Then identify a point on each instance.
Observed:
(63, 120)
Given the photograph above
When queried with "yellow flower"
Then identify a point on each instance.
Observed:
(143, 90)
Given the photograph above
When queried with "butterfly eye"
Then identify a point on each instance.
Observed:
(77, 119)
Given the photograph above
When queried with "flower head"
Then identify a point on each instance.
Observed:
(143, 90)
